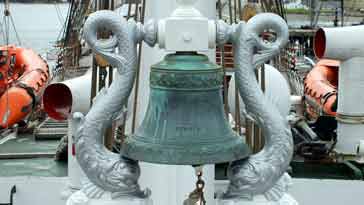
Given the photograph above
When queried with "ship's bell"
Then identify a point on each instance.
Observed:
(185, 122)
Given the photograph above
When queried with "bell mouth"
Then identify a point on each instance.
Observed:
(187, 59)
(186, 53)
(234, 149)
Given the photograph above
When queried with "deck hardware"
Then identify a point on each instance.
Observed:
(12, 192)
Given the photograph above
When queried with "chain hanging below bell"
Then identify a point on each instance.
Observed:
(197, 196)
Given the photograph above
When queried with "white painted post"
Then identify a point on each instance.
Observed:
(169, 184)
(75, 173)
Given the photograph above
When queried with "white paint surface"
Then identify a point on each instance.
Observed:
(321, 192)
(79, 198)
(276, 91)
(46, 191)
(33, 190)
(350, 102)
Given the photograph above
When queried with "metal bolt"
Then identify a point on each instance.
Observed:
(187, 37)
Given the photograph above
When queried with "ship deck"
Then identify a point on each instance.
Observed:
(26, 156)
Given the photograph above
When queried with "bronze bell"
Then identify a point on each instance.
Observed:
(185, 122)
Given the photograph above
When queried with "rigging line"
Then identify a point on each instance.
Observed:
(6, 24)
(8, 17)
(7, 99)
(222, 63)
(63, 35)
(239, 10)
(143, 11)
(281, 9)
(63, 29)
(6, 21)
(342, 13)
(237, 96)
(81, 14)
(277, 8)
(136, 10)
(129, 9)
(59, 13)
(3, 30)
(88, 10)
(62, 32)
(69, 23)
(15, 31)
(230, 12)
(6, 40)
(2, 23)
(220, 8)
(235, 10)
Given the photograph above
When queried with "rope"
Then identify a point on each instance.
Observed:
(6, 31)
(63, 29)
(129, 9)
(15, 31)
(6, 23)
(8, 19)
(59, 13)
(77, 11)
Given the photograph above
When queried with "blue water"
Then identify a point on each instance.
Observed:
(38, 25)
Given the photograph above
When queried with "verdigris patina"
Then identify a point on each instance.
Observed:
(185, 123)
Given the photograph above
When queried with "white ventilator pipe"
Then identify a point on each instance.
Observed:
(341, 43)
(63, 98)
(169, 184)
(296, 100)
(276, 90)
(346, 44)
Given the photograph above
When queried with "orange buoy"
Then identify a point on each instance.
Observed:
(321, 88)
(23, 77)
